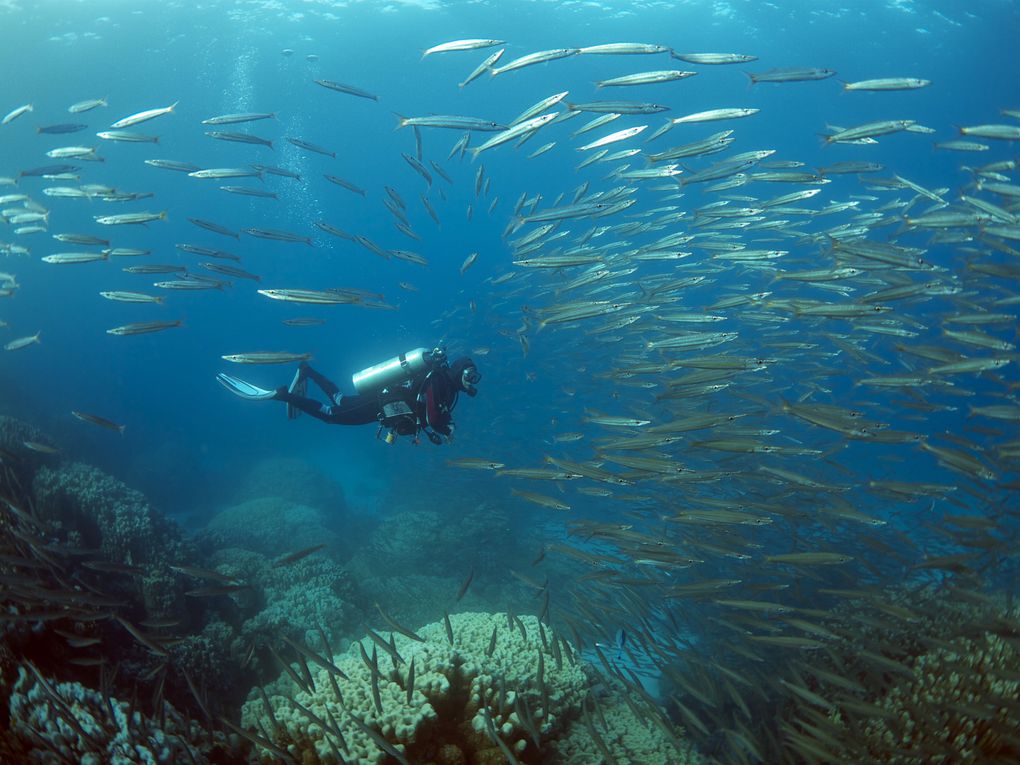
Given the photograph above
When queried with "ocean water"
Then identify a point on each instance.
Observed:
(188, 444)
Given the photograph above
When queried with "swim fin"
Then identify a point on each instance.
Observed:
(299, 387)
(244, 389)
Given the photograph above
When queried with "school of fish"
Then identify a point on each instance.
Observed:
(807, 431)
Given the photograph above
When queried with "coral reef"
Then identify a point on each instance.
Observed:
(412, 598)
(500, 685)
(66, 722)
(270, 526)
(621, 731)
(90, 509)
(408, 541)
(908, 676)
(22, 459)
(105, 513)
(294, 481)
(414, 562)
(418, 539)
(297, 600)
(960, 704)
(206, 657)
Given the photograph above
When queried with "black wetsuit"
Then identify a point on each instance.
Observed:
(425, 403)
(346, 410)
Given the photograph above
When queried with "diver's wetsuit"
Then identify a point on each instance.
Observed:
(425, 403)
(351, 410)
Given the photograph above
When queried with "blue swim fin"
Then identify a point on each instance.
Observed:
(244, 389)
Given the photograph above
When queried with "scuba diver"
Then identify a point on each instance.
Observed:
(409, 394)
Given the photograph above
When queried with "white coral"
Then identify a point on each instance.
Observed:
(111, 737)
(454, 685)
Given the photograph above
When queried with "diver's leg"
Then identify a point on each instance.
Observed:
(328, 386)
(356, 410)
(306, 405)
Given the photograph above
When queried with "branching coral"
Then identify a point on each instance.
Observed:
(517, 682)
(961, 705)
(66, 722)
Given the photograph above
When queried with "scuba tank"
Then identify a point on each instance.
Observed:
(396, 371)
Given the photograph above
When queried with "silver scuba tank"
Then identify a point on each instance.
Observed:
(393, 372)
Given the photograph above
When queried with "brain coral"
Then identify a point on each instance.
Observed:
(522, 685)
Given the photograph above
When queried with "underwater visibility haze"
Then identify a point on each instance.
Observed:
(700, 437)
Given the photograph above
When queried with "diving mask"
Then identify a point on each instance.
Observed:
(469, 378)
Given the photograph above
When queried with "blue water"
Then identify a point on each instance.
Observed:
(187, 439)
(189, 445)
